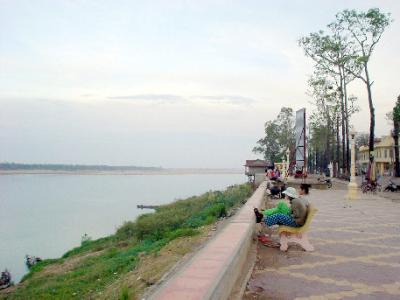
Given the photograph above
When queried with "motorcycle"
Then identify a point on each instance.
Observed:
(392, 187)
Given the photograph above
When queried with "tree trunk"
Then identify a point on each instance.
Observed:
(396, 148)
(315, 161)
(343, 127)
(337, 147)
(347, 125)
(371, 112)
(328, 142)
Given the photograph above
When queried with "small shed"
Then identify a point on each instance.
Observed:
(256, 168)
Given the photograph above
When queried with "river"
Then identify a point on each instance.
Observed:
(46, 215)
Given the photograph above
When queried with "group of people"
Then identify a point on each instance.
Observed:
(5, 279)
(30, 261)
(273, 174)
(276, 187)
(296, 214)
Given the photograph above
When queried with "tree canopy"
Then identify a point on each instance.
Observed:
(279, 136)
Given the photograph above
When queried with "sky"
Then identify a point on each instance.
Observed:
(165, 83)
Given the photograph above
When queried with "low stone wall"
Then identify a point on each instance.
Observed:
(213, 271)
(314, 184)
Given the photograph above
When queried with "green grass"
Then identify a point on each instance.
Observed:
(120, 253)
(124, 294)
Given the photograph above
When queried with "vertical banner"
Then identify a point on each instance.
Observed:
(300, 135)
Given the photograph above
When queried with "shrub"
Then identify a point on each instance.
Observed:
(124, 294)
(184, 214)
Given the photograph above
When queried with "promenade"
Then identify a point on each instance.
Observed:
(357, 253)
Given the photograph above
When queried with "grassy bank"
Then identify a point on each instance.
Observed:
(111, 267)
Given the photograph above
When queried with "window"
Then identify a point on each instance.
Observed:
(385, 153)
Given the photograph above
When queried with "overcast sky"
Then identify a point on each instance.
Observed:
(164, 83)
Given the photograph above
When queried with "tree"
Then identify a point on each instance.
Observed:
(363, 30)
(322, 120)
(362, 139)
(286, 137)
(327, 114)
(344, 53)
(328, 52)
(268, 145)
(279, 136)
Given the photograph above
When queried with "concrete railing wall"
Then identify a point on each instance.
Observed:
(213, 271)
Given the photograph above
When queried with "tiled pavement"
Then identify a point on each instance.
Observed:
(357, 254)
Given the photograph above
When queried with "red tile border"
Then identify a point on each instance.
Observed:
(212, 272)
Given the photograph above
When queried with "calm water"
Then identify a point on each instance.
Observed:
(46, 215)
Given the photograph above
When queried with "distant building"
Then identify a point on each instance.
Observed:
(383, 155)
(255, 170)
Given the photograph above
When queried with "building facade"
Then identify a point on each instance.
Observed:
(383, 155)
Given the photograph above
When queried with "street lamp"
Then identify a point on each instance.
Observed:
(352, 187)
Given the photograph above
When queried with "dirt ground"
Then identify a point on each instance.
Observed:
(356, 253)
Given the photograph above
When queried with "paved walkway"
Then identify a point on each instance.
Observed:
(357, 254)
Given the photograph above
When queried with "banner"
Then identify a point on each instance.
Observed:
(300, 131)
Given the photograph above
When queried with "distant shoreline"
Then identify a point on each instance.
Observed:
(125, 172)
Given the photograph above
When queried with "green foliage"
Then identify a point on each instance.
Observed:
(85, 238)
(396, 111)
(96, 245)
(148, 234)
(191, 213)
(268, 145)
(285, 122)
(40, 265)
(363, 29)
(124, 294)
(341, 54)
(279, 136)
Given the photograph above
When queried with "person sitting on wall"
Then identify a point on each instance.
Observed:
(276, 187)
(297, 217)
(275, 190)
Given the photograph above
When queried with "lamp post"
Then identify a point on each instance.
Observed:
(352, 187)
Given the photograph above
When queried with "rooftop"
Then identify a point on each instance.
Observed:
(257, 163)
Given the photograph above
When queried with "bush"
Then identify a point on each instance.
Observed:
(124, 294)
(184, 214)
(85, 238)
